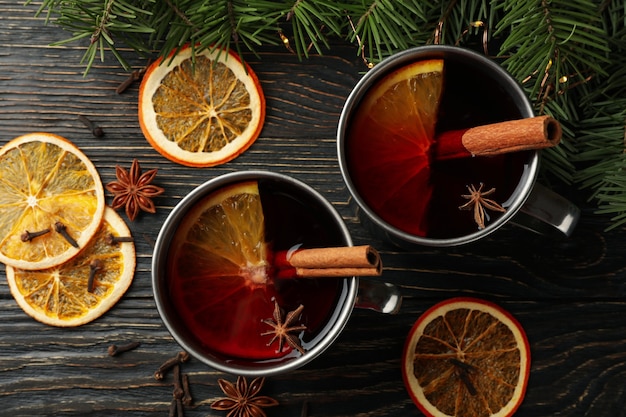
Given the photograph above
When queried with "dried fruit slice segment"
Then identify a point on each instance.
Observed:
(60, 296)
(46, 184)
(203, 110)
(466, 357)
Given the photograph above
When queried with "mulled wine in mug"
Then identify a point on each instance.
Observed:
(439, 146)
(254, 273)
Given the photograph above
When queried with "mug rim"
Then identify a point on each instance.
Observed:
(159, 260)
(525, 183)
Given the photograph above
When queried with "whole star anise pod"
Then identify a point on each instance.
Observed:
(133, 190)
(242, 398)
(282, 330)
(479, 204)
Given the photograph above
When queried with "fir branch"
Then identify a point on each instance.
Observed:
(310, 19)
(569, 56)
(102, 22)
(553, 45)
(178, 12)
(210, 24)
(386, 26)
(555, 49)
(462, 20)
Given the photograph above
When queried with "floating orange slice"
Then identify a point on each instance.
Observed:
(201, 111)
(219, 268)
(466, 357)
(389, 144)
(48, 188)
(60, 296)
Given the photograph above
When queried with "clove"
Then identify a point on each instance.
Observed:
(112, 239)
(180, 357)
(62, 229)
(176, 408)
(463, 370)
(172, 412)
(95, 129)
(132, 77)
(115, 350)
(462, 365)
(187, 399)
(28, 236)
(178, 391)
(467, 382)
(94, 266)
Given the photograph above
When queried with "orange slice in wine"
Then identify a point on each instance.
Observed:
(466, 357)
(219, 269)
(389, 144)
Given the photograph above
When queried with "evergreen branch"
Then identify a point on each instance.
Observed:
(178, 12)
(462, 20)
(102, 22)
(309, 19)
(385, 26)
(555, 44)
(568, 55)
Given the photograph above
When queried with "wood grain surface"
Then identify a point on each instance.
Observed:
(569, 295)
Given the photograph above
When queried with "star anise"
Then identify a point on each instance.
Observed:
(242, 398)
(479, 203)
(133, 190)
(282, 330)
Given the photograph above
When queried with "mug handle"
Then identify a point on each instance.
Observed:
(378, 296)
(547, 213)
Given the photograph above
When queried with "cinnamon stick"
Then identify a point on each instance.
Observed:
(327, 272)
(499, 138)
(328, 262)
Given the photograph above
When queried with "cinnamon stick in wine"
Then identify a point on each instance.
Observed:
(498, 138)
(328, 262)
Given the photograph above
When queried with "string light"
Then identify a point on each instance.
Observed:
(285, 42)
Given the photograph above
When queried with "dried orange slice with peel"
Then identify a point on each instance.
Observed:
(389, 141)
(203, 110)
(466, 357)
(46, 181)
(60, 296)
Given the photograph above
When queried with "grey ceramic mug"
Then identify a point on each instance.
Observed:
(354, 292)
(531, 205)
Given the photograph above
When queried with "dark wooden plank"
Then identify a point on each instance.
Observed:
(569, 295)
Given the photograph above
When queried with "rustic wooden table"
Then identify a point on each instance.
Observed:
(569, 295)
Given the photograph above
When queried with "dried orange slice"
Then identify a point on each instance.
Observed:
(388, 144)
(466, 357)
(201, 111)
(60, 296)
(46, 184)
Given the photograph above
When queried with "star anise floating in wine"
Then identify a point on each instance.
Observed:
(242, 398)
(281, 329)
(479, 203)
(133, 190)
